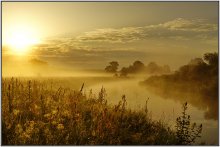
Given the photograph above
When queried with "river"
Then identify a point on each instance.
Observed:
(166, 110)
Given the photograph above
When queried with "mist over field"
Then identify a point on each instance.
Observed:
(125, 73)
(139, 82)
(166, 90)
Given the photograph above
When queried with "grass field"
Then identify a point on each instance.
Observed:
(37, 112)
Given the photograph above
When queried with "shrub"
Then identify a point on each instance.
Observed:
(186, 132)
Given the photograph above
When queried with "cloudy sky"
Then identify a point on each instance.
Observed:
(91, 34)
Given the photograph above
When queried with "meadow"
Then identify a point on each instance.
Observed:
(41, 112)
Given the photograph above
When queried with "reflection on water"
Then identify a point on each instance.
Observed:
(160, 108)
(206, 100)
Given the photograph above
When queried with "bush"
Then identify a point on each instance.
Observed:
(186, 132)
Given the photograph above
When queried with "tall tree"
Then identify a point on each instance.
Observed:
(113, 67)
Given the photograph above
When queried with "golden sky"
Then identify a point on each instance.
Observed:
(91, 34)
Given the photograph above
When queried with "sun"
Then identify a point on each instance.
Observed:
(20, 39)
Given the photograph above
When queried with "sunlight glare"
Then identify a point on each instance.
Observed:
(21, 39)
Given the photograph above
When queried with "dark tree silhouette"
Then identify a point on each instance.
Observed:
(211, 58)
(124, 72)
(198, 79)
(196, 61)
(113, 67)
(138, 66)
(152, 67)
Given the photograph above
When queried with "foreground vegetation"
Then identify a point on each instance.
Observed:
(36, 113)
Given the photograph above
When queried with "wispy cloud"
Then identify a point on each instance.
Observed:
(196, 25)
(128, 43)
(175, 29)
(126, 34)
(111, 38)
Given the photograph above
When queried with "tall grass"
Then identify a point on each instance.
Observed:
(36, 113)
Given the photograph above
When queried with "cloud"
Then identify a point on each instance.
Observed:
(179, 29)
(197, 25)
(128, 43)
(112, 39)
(126, 34)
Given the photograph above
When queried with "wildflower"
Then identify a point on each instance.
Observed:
(54, 122)
(54, 112)
(31, 122)
(66, 113)
(60, 127)
(77, 116)
(26, 135)
(35, 106)
(47, 131)
(47, 115)
(16, 112)
(93, 133)
(19, 129)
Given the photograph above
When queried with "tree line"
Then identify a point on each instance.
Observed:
(135, 68)
(195, 82)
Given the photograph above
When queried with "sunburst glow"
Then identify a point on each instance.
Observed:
(21, 39)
